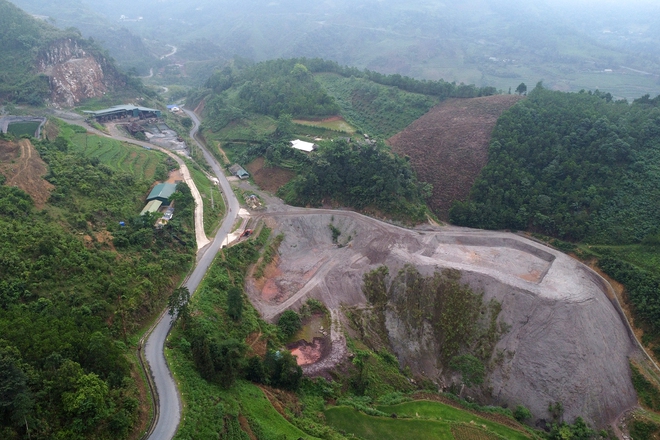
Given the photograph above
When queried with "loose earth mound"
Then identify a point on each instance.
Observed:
(448, 146)
(21, 164)
(565, 341)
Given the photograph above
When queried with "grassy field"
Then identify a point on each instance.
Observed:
(256, 127)
(332, 124)
(419, 420)
(382, 428)
(212, 212)
(439, 411)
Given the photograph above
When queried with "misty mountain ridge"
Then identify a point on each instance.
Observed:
(581, 45)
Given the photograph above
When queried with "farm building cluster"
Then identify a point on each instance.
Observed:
(159, 200)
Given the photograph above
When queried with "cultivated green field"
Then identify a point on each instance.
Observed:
(415, 420)
(373, 108)
(337, 125)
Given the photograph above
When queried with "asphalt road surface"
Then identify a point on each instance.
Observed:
(169, 401)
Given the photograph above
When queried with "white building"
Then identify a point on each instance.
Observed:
(303, 146)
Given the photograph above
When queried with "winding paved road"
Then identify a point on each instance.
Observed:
(169, 401)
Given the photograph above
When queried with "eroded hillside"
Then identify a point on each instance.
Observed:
(562, 340)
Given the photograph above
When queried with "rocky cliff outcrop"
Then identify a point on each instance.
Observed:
(74, 73)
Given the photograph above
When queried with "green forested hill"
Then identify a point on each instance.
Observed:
(74, 287)
(575, 166)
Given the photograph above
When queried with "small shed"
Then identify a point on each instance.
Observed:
(152, 206)
(162, 192)
(239, 171)
(303, 146)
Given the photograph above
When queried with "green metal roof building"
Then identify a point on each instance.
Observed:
(162, 192)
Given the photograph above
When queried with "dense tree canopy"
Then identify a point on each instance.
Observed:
(67, 304)
(358, 175)
(575, 166)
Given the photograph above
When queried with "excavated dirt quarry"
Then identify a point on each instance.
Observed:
(566, 342)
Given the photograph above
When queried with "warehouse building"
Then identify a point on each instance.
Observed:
(124, 111)
(152, 206)
(162, 192)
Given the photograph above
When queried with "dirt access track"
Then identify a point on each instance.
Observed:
(566, 343)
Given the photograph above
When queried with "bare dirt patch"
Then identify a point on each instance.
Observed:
(269, 178)
(448, 146)
(21, 164)
(175, 176)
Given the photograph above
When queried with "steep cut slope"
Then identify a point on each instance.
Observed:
(565, 341)
(448, 146)
(41, 63)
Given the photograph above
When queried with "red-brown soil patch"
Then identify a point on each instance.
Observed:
(21, 164)
(308, 353)
(269, 178)
(448, 146)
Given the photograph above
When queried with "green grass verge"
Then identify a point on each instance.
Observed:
(440, 411)
(212, 212)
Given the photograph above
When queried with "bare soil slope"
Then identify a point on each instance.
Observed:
(21, 164)
(448, 146)
(269, 178)
(566, 343)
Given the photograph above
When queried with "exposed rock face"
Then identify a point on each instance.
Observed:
(74, 74)
(565, 342)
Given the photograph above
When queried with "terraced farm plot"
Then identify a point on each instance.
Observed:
(138, 161)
